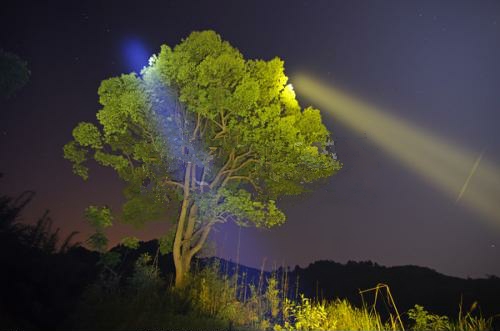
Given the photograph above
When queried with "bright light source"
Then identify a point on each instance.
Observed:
(451, 169)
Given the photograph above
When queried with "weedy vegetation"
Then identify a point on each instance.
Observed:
(212, 299)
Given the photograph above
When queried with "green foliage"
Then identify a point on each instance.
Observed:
(142, 207)
(423, 320)
(77, 156)
(99, 217)
(262, 113)
(166, 242)
(334, 315)
(234, 123)
(213, 299)
(244, 107)
(130, 242)
(213, 294)
(146, 277)
(272, 297)
(240, 206)
(469, 322)
(310, 317)
(87, 135)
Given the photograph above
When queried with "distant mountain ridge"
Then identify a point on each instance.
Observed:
(323, 279)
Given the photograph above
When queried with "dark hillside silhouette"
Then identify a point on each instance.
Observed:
(46, 279)
(409, 284)
(41, 278)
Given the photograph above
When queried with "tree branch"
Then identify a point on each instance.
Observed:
(204, 125)
(219, 175)
(236, 159)
(171, 182)
(203, 237)
(188, 234)
(241, 166)
(197, 127)
(247, 178)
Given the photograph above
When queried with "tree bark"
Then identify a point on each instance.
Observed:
(188, 240)
(177, 247)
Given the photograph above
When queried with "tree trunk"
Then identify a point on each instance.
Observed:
(179, 233)
(190, 244)
(187, 241)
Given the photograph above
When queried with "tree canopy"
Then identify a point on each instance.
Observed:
(203, 127)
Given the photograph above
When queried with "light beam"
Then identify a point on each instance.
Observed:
(135, 54)
(436, 160)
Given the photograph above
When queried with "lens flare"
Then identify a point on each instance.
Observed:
(436, 160)
(135, 54)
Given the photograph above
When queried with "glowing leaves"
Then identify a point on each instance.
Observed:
(240, 206)
(249, 109)
(312, 127)
(245, 96)
(77, 156)
(235, 120)
(182, 62)
(287, 99)
(125, 104)
(159, 64)
(270, 77)
(117, 162)
(145, 152)
(197, 47)
(225, 70)
(206, 70)
(88, 135)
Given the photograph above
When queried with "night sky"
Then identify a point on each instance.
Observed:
(434, 64)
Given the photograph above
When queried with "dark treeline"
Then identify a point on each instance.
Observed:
(409, 285)
(44, 277)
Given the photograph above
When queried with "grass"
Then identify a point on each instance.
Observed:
(214, 301)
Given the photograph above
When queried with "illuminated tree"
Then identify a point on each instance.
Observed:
(221, 135)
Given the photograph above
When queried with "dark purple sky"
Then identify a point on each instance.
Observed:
(432, 63)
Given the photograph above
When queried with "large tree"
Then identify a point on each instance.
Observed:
(221, 135)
